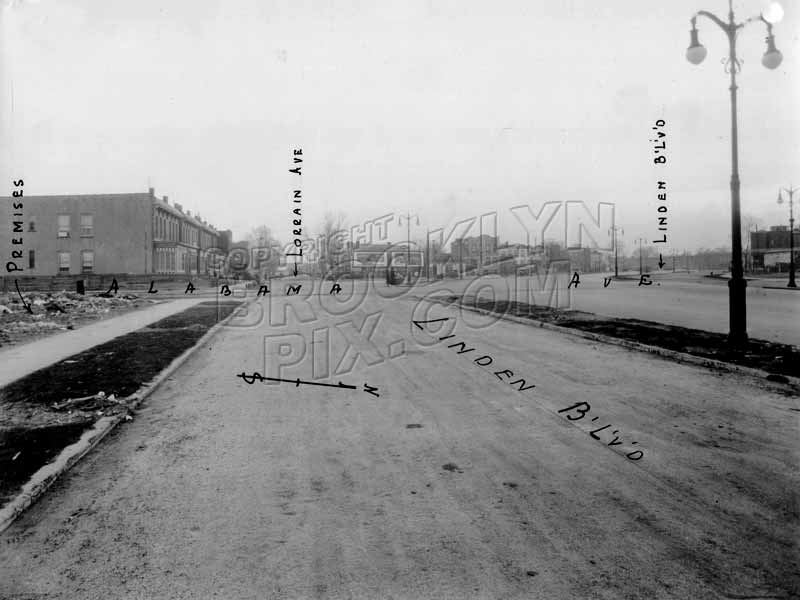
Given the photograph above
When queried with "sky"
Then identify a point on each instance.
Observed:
(445, 108)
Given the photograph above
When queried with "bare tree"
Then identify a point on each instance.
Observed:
(749, 223)
(333, 240)
(265, 252)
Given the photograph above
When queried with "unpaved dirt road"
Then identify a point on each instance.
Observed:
(451, 484)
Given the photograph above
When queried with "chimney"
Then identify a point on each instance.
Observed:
(189, 213)
(179, 207)
(152, 192)
(165, 199)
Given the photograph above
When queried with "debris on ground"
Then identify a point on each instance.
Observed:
(43, 412)
(51, 312)
(88, 403)
(52, 306)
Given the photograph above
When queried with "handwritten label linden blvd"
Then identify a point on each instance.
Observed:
(575, 412)
(660, 150)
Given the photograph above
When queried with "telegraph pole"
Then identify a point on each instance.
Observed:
(641, 268)
(614, 230)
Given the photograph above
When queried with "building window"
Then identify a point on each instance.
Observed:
(31, 259)
(63, 262)
(63, 226)
(32, 224)
(87, 261)
(87, 225)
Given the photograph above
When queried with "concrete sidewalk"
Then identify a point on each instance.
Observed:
(18, 361)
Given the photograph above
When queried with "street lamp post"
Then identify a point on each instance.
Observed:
(791, 192)
(427, 254)
(408, 217)
(614, 230)
(772, 59)
(641, 270)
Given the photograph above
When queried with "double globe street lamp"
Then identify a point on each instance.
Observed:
(772, 58)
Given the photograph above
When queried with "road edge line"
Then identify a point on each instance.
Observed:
(42, 479)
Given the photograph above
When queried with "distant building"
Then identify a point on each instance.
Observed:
(589, 260)
(376, 258)
(110, 233)
(770, 249)
(475, 249)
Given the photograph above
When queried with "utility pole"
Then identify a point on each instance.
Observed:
(614, 230)
(408, 238)
(428, 254)
(791, 192)
(641, 268)
(480, 247)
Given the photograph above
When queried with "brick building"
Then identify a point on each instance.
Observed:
(770, 249)
(474, 251)
(109, 233)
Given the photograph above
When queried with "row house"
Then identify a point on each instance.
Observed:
(133, 234)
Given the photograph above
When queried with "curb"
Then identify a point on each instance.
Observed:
(681, 357)
(42, 479)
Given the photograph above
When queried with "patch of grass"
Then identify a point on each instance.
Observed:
(772, 357)
(23, 452)
(118, 367)
(204, 314)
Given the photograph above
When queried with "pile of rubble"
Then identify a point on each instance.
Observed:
(46, 312)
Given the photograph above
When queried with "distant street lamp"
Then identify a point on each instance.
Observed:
(428, 254)
(772, 58)
(408, 216)
(614, 229)
(791, 192)
(640, 240)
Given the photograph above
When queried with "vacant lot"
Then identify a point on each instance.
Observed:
(44, 412)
